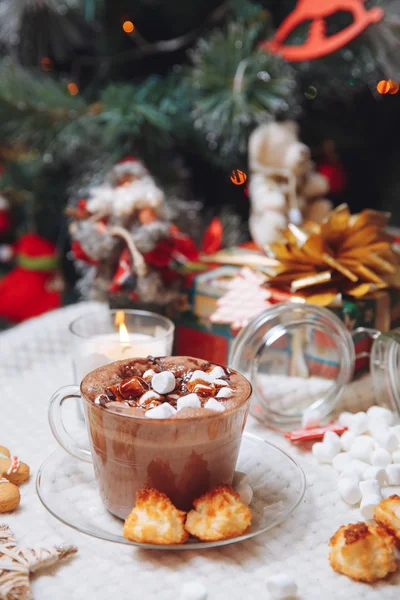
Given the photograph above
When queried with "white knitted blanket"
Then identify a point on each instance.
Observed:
(34, 362)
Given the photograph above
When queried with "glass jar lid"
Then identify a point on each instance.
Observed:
(298, 358)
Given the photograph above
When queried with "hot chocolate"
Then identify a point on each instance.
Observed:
(171, 423)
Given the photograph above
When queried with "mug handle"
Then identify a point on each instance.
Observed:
(57, 426)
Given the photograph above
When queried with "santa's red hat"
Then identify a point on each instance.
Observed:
(127, 166)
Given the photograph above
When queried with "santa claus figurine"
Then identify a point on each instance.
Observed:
(120, 230)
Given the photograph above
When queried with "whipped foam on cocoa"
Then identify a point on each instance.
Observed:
(165, 387)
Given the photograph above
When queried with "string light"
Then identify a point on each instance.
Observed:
(128, 26)
(388, 86)
(72, 88)
(46, 63)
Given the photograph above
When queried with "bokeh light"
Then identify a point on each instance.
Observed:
(72, 88)
(383, 86)
(394, 87)
(46, 63)
(311, 92)
(128, 26)
(238, 177)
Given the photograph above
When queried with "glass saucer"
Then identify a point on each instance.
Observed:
(68, 489)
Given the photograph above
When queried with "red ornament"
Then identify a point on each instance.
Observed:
(336, 176)
(317, 43)
(28, 291)
(212, 240)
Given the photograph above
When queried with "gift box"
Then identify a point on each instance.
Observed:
(197, 335)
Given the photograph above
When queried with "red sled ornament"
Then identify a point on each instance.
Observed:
(317, 44)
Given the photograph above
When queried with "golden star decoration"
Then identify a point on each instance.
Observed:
(16, 563)
(346, 254)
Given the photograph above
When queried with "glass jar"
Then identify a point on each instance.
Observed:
(299, 358)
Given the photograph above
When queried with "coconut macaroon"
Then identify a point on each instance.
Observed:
(387, 514)
(218, 515)
(155, 520)
(363, 552)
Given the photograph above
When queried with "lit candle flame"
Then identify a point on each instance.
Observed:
(123, 331)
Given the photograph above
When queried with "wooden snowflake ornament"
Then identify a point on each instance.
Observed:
(317, 44)
(16, 564)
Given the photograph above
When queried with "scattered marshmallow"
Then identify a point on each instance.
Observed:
(345, 418)
(320, 453)
(381, 458)
(393, 474)
(396, 456)
(163, 382)
(349, 490)
(332, 441)
(354, 470)
(188, 401)
(238, 478)
(213, 404)
(193, 590)
(362, 448)
(396, 430)
(310, 420)
(281, 586)
(370, 487)
(148, 374)
(347, 439)
(163, 411)
(225, 392)
(386, 439)
(217, 373)
(149, 396)
(341, 461)
(381, 414)
(368, 504)
(359, 423)
(245, 492)
(378, 473)
(201, 376)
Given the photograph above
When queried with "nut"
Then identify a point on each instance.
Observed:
(205, 391)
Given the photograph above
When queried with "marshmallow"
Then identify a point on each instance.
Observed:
(396, 456)
(213, 404)
(349, 490)
(370, 487)
(163, 411)
(281, 586)
(224, 392)
(245, 492)
(386, 439)
(362, 448)
(201, 376)
(193, 590)
(345, 418)
(381, 458)
(341, 461)
(216, 373)
(359, 423)
(393, 474)
(379, 413)
(310, 420)
(320, 452)
(163, 382)
(188, 401)
(377, 473)
(332, 441)
(396, 430)
(220, 383)
(368, 504)
(354, 470)
(148, 397)
(346, 440)
(238, 478)
(148, 374)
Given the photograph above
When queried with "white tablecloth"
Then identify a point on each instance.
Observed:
(34, 362)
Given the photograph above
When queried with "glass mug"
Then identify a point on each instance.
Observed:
(181, 457)
(300, 357)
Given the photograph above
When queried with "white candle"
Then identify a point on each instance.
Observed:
(103, 349)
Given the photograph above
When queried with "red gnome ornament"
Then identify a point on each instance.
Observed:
(28, 290)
